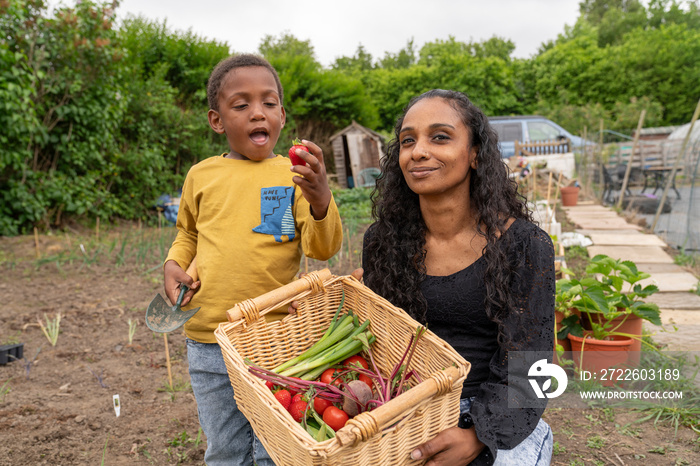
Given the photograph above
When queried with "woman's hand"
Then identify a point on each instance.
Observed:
(313, 181)
(173, 277)
(294, 305)
(454, 446)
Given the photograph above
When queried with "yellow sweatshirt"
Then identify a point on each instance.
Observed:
(247, 223)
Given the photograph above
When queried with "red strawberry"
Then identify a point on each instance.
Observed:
(291, 390)
(269, 385)
(297, 410)
(284, 398)
(298, 397)
(296, 160)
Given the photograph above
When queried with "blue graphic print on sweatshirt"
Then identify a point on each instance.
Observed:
(276, 212)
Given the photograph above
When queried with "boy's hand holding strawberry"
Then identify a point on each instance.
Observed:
(312, 179)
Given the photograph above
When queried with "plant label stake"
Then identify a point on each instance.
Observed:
(117, 405)
(162, 318)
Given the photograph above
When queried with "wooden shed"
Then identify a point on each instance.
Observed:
(357, 151)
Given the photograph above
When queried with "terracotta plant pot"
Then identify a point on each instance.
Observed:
(596, 355)
(629, 324)
(569, 195)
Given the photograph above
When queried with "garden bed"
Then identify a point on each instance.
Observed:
(62, 413)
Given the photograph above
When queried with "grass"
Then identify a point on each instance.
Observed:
(685, 260)
(52, 328)
(679, 372)
(179, 385)
(132, 329)
(144, 247)
(4, 390)
(104, 451)
(596, 442)
(576, 260)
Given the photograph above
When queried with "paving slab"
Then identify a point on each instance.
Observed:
(612, 238)
(636, 254)
(585, 206)
(676, 338)
(672, 282)
(604, 223)
(603, 213)
(590, 231)
(653, 268)
(680, 329)
(680, 317)
(679, 301)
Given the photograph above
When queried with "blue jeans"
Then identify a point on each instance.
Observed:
(230, 437)
(535, 450)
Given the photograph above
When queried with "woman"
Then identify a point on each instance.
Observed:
(454, 246)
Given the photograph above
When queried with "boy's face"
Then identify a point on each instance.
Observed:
(250, 113)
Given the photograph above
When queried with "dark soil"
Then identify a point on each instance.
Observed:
(56, 404)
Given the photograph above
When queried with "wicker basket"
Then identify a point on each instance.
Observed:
(386, 435)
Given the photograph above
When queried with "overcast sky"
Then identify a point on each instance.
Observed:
(336, 28)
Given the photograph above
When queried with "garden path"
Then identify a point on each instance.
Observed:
(614, 236)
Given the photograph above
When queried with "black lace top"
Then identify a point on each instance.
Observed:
(456, 313)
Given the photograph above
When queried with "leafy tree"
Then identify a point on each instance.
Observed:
(67, 71)
(184, 59)
(403, 59)
(359, 63)
(494, 47)
(318, 102)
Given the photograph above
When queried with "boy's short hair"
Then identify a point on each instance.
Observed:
(236, 61)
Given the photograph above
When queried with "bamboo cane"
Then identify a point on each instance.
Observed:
(167, 360)
(629, 164)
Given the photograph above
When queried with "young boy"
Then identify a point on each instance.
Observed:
(247, 218)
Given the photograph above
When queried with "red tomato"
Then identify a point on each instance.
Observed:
(353, 361)
(366, 379)
(335, 417)
(328, 376)
(320, 405)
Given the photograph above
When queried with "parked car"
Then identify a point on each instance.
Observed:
(529, 128)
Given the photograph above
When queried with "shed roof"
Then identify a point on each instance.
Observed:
(658, 130)
(355, 125)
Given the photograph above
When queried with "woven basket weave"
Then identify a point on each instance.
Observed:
(384, 436)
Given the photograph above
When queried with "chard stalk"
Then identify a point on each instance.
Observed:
(419, 333)
(382, 384)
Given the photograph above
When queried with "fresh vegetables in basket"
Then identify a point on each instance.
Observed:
(331, 382)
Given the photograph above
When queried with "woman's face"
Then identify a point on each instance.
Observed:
(435, 152)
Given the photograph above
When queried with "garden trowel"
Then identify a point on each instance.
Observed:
(161, 317)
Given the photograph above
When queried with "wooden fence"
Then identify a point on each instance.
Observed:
(648, 154)
(558, 146)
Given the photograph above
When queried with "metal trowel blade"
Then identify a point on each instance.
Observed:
(163, 318)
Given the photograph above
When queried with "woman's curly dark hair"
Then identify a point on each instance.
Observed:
(396, 242)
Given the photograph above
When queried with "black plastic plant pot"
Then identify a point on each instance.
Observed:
(9, 353)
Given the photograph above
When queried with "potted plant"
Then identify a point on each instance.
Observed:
(574, 296)
(611, 305)
(626, 297)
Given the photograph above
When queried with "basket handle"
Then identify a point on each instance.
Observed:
(364, 426)
(250, 308)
